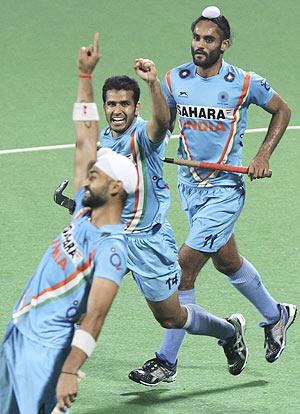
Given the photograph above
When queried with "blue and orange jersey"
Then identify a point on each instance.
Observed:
(56, 295)
(150, 203)
(212, 115)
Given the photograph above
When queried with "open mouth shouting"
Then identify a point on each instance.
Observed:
(118, 121)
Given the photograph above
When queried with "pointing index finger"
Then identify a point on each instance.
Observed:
(96, 42)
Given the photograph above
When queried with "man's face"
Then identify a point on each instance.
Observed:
(120, 110)
(206, 44)
(97, 188)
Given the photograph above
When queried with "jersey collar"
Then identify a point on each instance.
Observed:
(222, 72)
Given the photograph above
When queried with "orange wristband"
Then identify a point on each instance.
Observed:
(86, 75)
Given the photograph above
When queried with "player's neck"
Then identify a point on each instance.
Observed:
(109, 214)
(211, 71)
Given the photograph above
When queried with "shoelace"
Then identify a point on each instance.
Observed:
(151, 365)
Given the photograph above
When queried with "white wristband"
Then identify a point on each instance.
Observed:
(85, 111)
(84, 341)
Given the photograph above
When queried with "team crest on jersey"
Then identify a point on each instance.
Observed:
(184, 73)
(70, 246)
(229, 77)
(204, 112)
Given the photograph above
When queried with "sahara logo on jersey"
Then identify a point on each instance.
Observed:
(70, 246)
(204, 112)
(202, 118)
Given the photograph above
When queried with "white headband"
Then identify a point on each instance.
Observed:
(211, 12)
(118, 167)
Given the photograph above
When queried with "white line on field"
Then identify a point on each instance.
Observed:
(55, 147)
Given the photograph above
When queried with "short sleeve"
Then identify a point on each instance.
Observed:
(111, 260)
(167, 90)
(260, 92)
(150, 147)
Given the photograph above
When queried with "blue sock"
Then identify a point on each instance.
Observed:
(173, 338)
(248, 282)
(201, 322)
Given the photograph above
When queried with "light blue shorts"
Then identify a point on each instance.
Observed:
(153, 261)
(28, 374)
(212, 213)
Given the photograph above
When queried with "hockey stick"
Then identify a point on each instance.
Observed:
(61, 199)
(211, 166)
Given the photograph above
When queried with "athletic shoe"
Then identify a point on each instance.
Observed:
(153, 372)
(235, 347)
(275, 334)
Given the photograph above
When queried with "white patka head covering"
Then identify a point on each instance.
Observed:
(211, 12)
(118, 167)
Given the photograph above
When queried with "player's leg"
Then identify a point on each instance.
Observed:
(159, 278)
(210, 227)
(196, 321)
(191, 262)
(246, 279)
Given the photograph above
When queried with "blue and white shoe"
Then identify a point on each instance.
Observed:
(275, 334)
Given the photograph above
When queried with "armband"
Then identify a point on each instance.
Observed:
(85, 111)
(84, 341)
(85, 75)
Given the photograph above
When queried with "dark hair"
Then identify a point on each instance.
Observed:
(121, 82)
(220, 21)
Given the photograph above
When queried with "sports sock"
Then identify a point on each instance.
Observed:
(173, 338)
(248, 282)
(202, 322)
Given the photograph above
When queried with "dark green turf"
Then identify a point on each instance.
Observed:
(39, 43)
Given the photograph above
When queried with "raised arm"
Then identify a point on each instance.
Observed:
(160, 118)
(281, 114)
(87, 127)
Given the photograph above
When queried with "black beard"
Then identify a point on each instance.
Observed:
(93, 200)
(211, 59)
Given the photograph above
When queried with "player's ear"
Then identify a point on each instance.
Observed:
(116, 187)
(137, 109)
(225, 45)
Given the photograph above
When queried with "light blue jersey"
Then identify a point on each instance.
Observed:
(212, 114)
(150, 203)
(56, 295)
(152, 250)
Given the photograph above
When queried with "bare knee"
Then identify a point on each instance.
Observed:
(228, 266)
(191, 262)
(174, 321)
(170, 324)
(227, 260)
